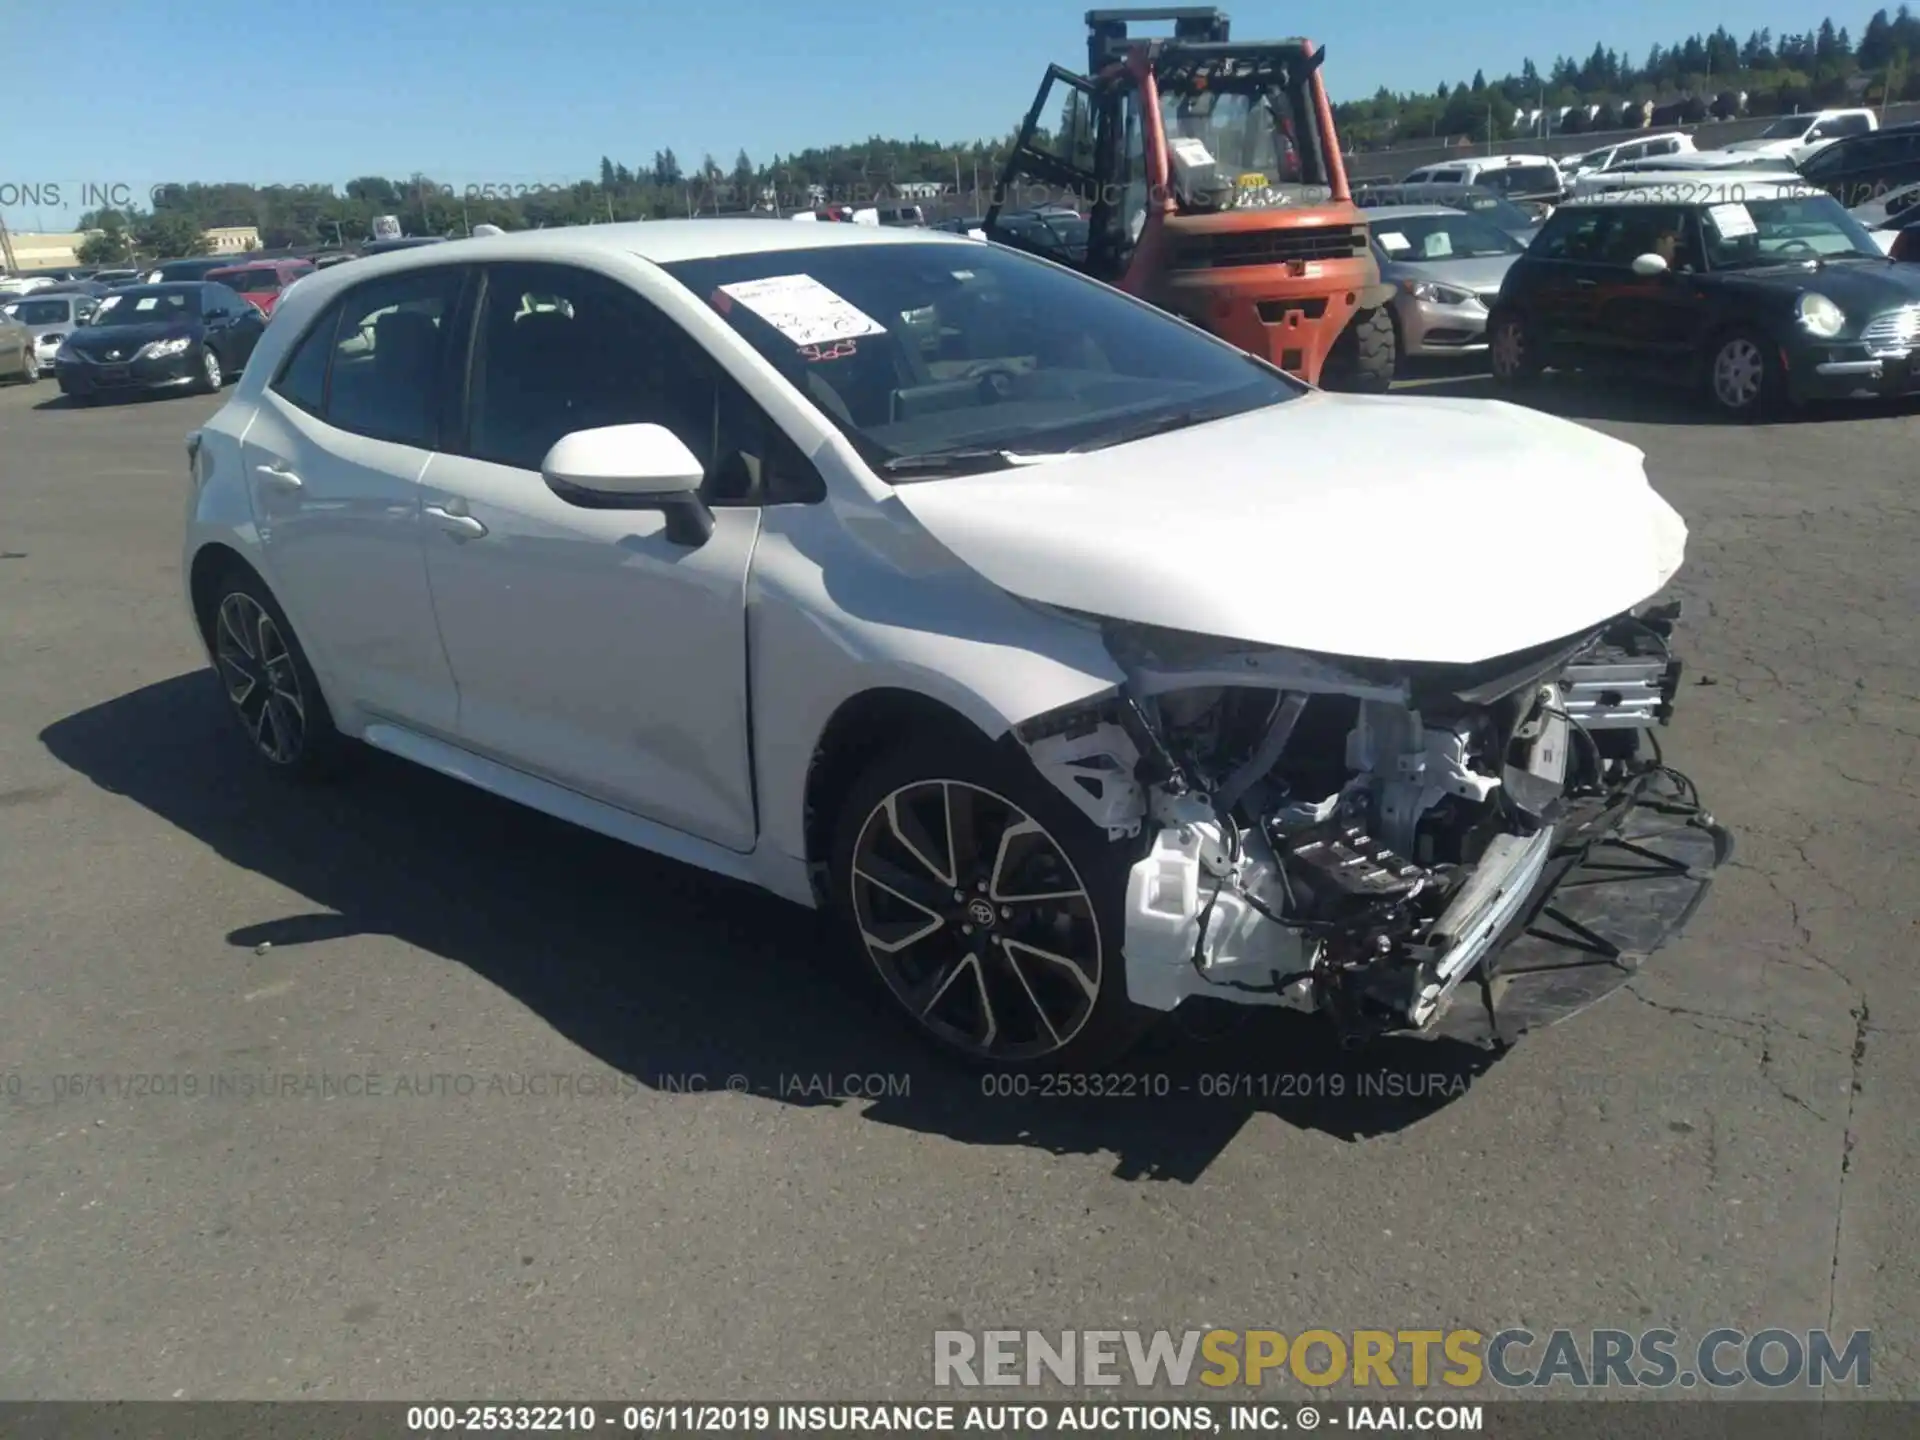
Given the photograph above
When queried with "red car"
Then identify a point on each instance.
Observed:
(261, 281)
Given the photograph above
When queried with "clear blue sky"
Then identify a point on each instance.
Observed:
(477, 91)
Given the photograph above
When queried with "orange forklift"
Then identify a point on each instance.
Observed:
(1214, 188)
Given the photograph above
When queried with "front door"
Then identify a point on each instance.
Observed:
(589, 647)
(1650, 322)
(1053, 159)
(333, 459)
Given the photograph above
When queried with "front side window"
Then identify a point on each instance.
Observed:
(560, 349)
(935, 357)
(1791, 128)
(1572, 234)
(388, 356)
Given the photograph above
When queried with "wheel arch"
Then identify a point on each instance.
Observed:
(861, 728)
(212, 562)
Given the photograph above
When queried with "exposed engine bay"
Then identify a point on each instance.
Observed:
(1358, 838)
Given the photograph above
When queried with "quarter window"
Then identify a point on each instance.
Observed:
(303, 379)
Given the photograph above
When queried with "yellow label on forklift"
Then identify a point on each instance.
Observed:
(1252, 181)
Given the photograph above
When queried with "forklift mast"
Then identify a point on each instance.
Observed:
(1107, 37)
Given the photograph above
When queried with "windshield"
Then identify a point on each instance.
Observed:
(1246, 148)
(251, 282)
(1779, 232)
(41, 312)
(1495, 210)
(147, 305)
(925, 350)
(1790, 128)
(1422, 239)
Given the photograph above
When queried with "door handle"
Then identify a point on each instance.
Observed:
(1586, 284)
(279, 477)
(461, 527)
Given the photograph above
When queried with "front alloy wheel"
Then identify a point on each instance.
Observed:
(213, 376)
(977, 920)
(261, 678)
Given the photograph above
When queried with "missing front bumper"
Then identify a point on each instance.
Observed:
(1604, 906)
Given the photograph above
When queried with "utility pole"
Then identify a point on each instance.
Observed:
(6, 247)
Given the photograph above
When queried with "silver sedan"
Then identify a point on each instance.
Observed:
(1446, 267)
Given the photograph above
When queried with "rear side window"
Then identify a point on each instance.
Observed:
(303, 379)
(389, 353)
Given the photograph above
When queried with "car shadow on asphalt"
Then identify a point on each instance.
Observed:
(682, 980)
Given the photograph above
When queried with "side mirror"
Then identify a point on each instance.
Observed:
(632, 467)
(1647, 266)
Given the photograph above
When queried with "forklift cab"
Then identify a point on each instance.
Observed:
(1212, 181)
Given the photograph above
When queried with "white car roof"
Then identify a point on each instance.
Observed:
(667, 241)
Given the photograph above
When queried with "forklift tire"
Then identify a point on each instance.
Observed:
(1364, 357)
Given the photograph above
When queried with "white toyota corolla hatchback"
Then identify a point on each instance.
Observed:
(1080, 662)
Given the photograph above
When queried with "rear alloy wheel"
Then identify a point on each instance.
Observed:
(212, 377)
(30, 370)
(988, 907)
(1511, 351)
(1744, 376)
(268, 683)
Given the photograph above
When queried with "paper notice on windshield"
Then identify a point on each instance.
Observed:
(1732, 221)
(803, 310)
(1393, 242)
(1190, 152)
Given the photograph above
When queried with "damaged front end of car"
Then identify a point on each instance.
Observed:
(1360, 838)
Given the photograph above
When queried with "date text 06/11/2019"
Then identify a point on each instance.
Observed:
(940, 1418)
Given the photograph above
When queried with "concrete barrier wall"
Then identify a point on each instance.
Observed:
(1394, 163)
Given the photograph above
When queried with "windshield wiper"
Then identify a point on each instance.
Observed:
(1158, 425)
(958, 461)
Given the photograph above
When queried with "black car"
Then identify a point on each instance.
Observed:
(169, 272)
(192, 336)
(1056, 234)
(1489, 205)
(1860, 169)
(1760, 294)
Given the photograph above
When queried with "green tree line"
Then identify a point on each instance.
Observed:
(1779, 74)
(1823, 66)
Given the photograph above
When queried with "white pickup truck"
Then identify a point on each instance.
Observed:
(1793, 138)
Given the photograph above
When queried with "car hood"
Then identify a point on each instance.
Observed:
(1483, 277)
(1862, 288)
(1380, 527)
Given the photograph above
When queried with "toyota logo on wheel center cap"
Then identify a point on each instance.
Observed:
(980, 912)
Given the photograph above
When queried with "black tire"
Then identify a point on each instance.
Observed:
(1513, 349)
(270, 689)
(1744, 377)
(947, 964)
(213, 372)
(1365, 356)
(29, 365)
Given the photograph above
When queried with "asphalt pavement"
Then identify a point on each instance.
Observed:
(396, 1091)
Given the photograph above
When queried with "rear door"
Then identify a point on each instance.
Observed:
(333, 459)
